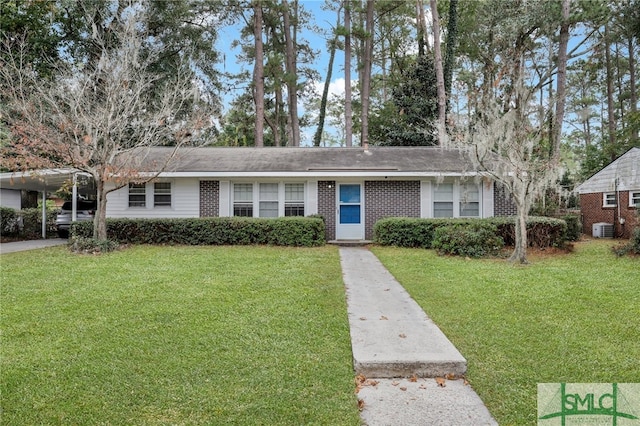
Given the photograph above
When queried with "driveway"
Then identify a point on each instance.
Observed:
(31, 245)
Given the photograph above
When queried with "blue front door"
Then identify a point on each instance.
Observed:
(350, 218)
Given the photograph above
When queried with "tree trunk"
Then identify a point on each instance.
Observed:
(291, 74)
(632, 87)
(100, 217)
(317, 138)
(520, 250)
(366, 76)
(258, 75)
(348, 112)
(274, 122)
(442, 97)
(450, 55)
(422, 31)
(561, 81)
(611, 118)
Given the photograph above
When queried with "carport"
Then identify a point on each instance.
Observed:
(49, 181)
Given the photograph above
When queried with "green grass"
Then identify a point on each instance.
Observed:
(571, 318)
(176, 335)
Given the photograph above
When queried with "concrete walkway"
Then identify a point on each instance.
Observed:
(30, 245)
(400, 351)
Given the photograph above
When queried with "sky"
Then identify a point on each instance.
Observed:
(323, 19)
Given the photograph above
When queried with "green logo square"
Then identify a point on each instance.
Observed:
(566, 404)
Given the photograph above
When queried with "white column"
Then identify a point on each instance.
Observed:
(74, 199)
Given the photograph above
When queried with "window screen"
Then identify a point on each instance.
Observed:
(137, 195)
(162, 194)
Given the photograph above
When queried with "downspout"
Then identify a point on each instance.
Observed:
(615, 211)
(618, 210)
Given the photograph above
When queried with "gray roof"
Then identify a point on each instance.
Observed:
(625, 169)
(309, 161)
(271, 162)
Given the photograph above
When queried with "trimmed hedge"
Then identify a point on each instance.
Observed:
(474, 240)
(285, 231)
(411, 232)
(408, 232)
(32, 222)
(9, 222)
(542, 231)
(26, 223)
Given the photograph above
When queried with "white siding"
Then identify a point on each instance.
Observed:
(487, 198)
(225, 199)
(625, 170)
(426, 204)
(185, 201)
(311, 203)
(10, 198)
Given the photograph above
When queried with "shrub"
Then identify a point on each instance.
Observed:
(633, 246)
(91, 245)
(9, 222)
(542, 231)
(32, 222)
(285, 231)
(474, 240)
(413, 232)
(574, 227)
(406, 232)
(635, 240)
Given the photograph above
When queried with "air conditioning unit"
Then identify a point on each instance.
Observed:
(602, 230)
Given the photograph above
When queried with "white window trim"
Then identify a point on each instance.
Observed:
(459, 186)
(279, 191)
(604, 199)
(144, 186)
(457, 192)
(455, 210)
(171, 195)
(637, 192)
(150, 196)
(282, 196)
(255, 191)
(256, 196)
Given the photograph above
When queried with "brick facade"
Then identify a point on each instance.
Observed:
(381, 199)
(209, 198)
(327, 206)
(503, 205)
(593, 212)
(389, 199)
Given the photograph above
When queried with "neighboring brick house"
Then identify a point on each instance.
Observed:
(612, 196)
(351, 188)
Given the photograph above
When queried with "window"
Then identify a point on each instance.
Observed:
(162, 194)
(137, 195)
(609, 199)
(243, 199)
(443, 200)
(294, 199)
(268, 200)
(634, 199)
(469, 200)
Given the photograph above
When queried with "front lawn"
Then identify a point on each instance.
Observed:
(175, 335)
(571, 318)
